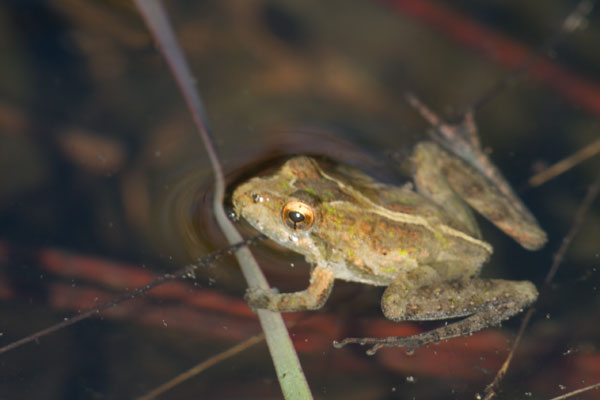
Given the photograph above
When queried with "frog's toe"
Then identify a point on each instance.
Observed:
(409, 343)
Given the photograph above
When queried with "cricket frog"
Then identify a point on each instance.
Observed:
(419, 241)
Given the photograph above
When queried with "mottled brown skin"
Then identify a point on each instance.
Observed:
(423, 244)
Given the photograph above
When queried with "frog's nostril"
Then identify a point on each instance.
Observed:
(255, 197)
(232, 215)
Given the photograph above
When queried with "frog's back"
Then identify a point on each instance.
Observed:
(385, 230)
(396, 199)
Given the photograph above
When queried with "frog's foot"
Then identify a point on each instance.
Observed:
(284, 302)
(453, 182)
(464, 327)
(462, 138)
(259, 298)
(483, 303)
(411, 343)
(463, 168)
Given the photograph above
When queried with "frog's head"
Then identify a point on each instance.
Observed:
(285, 205)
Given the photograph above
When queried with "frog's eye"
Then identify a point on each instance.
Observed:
(297, 215)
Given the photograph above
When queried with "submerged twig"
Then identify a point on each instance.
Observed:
(566, 164)
(578, 220)
(578, 391)
(289, 371)
(182, 272)
(209, 362)
(197, 369)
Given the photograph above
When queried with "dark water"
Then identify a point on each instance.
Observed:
(99, 159)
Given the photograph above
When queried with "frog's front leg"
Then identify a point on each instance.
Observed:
(312, 298)
(420, 295)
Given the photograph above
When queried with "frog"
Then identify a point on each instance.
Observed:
(419, 240)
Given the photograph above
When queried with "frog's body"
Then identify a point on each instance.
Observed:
(365, 231)
(423, 244)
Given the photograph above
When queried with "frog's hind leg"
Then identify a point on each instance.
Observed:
(431, 182)
(453, 183)
(420, 296)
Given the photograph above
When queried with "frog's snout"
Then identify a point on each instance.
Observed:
(237, 198)
(248, 201)
(244, 195)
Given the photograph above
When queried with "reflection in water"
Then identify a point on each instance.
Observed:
(184, 216)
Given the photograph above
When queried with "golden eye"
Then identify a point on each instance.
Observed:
(297, 215)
